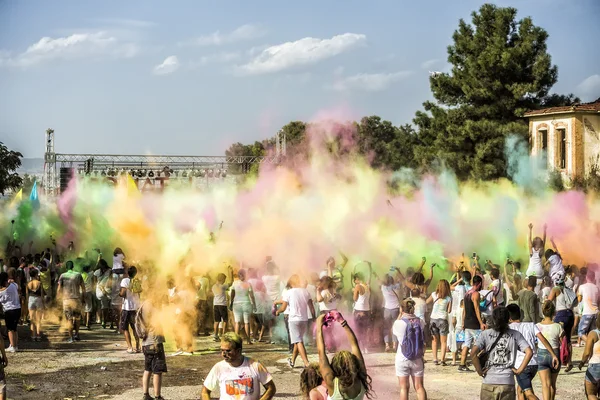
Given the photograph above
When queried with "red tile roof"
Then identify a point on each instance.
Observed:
(582, 107)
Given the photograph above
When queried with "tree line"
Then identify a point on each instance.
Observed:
(500, 69)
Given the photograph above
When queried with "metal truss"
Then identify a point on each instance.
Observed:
(152, 160)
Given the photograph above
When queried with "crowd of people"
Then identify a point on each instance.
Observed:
(493, 319)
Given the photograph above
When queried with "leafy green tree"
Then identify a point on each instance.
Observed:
(500, 69)
(9, 162)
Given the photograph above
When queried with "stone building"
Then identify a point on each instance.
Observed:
(569, 137)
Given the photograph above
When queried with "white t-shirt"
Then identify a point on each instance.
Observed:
(440, 307)
(242, 292)
(241, 383)
(273, 286)
(262, 302)
(552, 333)
(118, 261)
(297, 303)
(420, 307)
(390, 296)
(495, 286)
(556, 266)
(589, 298)
(131, 302)
(399, 330)
(220, 294)
(9, 298)
(529, 331)
(329, 301)
(535, 264)
(487, 296)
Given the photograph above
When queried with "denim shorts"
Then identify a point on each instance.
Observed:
(439, 326)
(525, 378)
(544, 359)
(586, 324)
(470, 336)
(592, 374)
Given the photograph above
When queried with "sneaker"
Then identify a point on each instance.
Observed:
(70, 340)
(177, 353)
(159, 398)
(187, 353)
(290, 363)
(147, 397)
(464, 368)
(217, 339)
(76, 338)
(11, 349)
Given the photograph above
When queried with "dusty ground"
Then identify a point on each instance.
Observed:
(98, 368)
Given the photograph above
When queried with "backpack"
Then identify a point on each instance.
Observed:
(485, 302)
(412, 344)
(135, 286)
(140, 326)
(570, 297)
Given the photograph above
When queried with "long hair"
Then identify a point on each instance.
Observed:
(500, 319)
(310, 378)
(346, 367)
(443, 289)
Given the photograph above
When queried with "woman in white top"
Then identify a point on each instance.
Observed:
(391, 308)
(439, 326)
(362, 308)
(11, 304)
(548, 364)
(592, 353)
(564, 299)
(536, 252)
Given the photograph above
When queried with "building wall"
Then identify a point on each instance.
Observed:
(551, 123)
(582, 144)
(590, 125)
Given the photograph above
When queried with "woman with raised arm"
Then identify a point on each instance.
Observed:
(346, 376)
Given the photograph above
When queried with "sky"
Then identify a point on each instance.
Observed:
(191, 77)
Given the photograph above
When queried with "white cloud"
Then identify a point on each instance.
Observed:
(430, 63)
(78, 45)
(301, 52)
(217, 58)
(218, 38)
(370, 82)
(170, 65)
(589, 88)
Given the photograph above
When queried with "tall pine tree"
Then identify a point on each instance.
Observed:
(500, 69)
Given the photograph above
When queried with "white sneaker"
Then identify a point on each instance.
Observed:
(178, 353)
(11, 349)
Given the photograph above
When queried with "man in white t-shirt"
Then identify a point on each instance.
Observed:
(588, 294)
(297, 300)
(237, 377)
(130, 292)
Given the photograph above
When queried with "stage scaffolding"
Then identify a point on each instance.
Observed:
(56, 165)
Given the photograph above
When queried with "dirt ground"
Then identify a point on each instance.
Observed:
(99, 368)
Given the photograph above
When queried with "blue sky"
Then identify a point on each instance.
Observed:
(191, 77)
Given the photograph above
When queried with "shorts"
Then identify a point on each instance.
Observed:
(391, 314)
(11, 318)
(89, 302)
(567, 318)
(72, 308)
(544, 360)
(438, 327)
(242, 312)
(154, 358)
(525, 378)
(470, 336)
(410, 368)
(35, 303)
(104, 301)
(127, 320)
(592, 374)
(586, 324)
(220, 313)
(497, 392)
(297, 331)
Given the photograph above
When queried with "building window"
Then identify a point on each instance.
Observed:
(562, 148)
(543, 135)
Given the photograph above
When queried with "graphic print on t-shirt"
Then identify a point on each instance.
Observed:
(501, 356)
(243, 385)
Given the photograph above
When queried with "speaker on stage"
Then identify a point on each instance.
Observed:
(65, 176)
